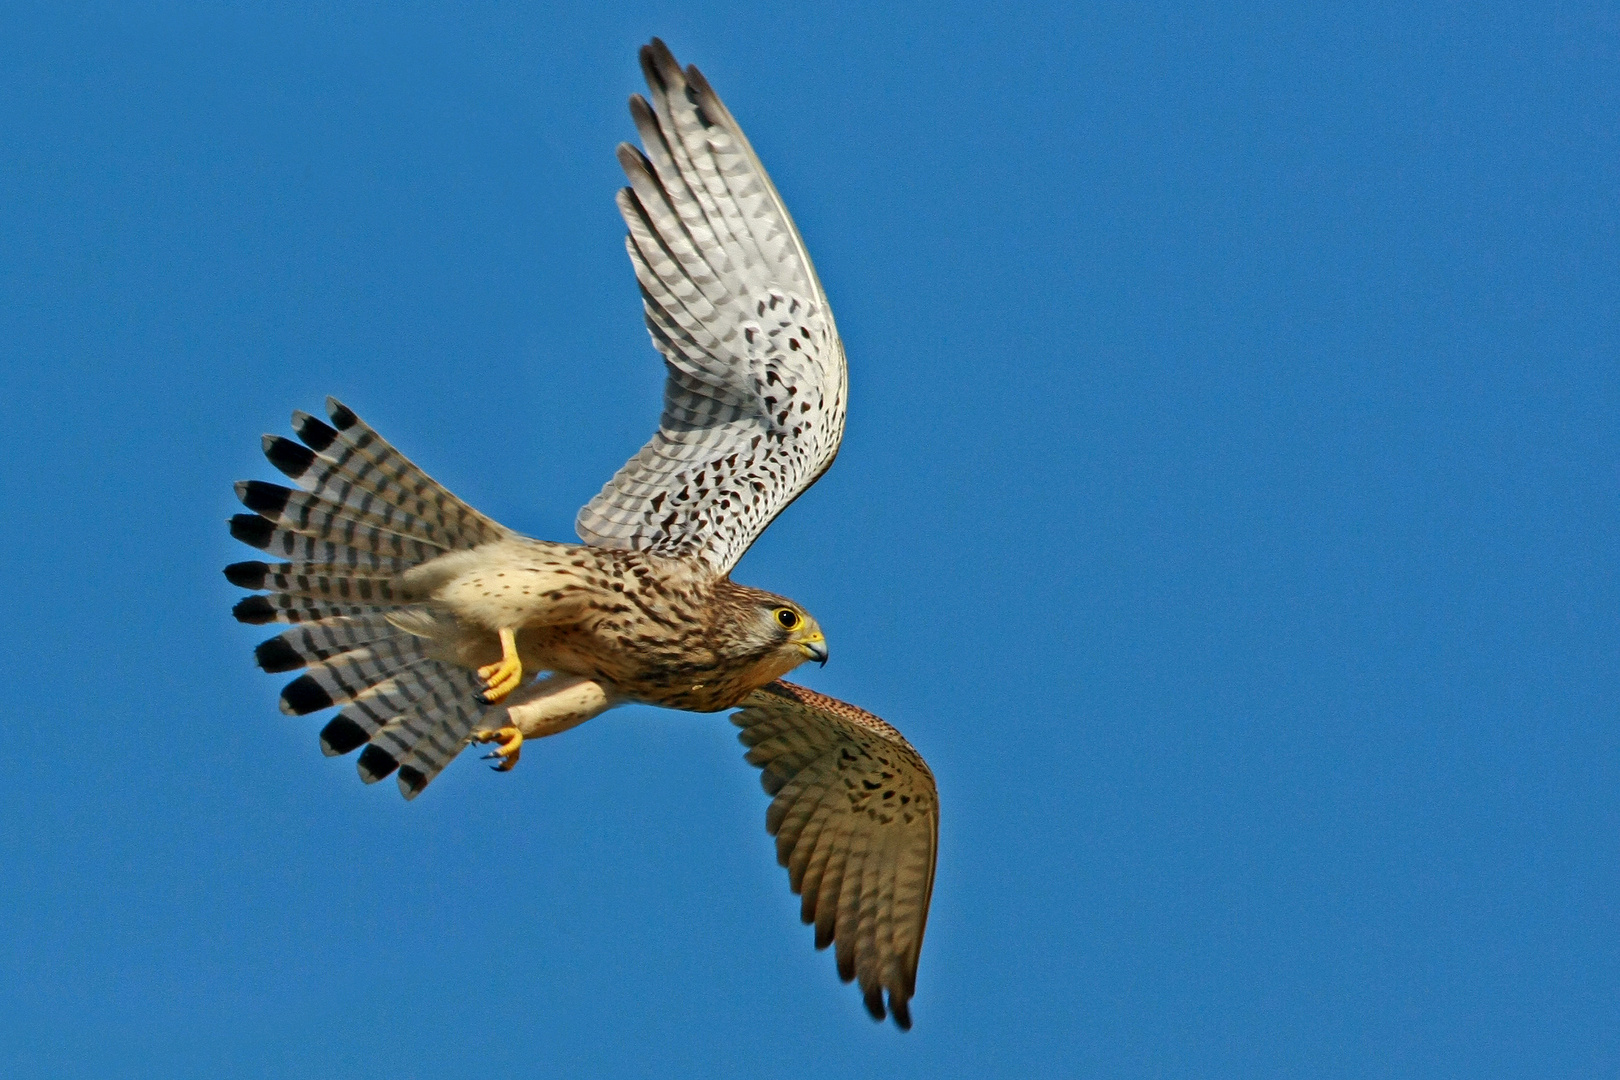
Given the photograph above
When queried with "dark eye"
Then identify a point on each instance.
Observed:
(787, 618)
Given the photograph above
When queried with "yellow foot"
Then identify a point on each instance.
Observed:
(503, 676)
(511, 748)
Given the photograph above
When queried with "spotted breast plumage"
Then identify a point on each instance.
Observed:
(429, 626)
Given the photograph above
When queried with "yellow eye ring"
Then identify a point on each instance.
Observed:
(787, 618)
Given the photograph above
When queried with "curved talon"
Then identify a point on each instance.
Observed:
(503, 676)
(511, 748)
(500, 680)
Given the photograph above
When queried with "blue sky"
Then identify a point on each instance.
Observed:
(1227, 511)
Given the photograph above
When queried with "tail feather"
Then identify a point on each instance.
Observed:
(359, 721)
(261, 533)
(351, 675)
(439, 746)
(422, 741)
(314, 642)
(318, 519)
(364, 515)
(350, 455)
(366, 494)
(423, 724)
(280, 607)
(318, 581)
(434, 682)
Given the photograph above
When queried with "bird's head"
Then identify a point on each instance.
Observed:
(779, 635)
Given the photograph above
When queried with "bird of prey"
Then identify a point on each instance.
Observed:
(432, 626)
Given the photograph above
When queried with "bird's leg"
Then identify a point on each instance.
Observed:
(503, 676)
(511, 748)
(555, 703)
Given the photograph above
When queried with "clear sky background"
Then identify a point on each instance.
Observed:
(1228, 512)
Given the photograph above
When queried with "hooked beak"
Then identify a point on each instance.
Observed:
(816, 649)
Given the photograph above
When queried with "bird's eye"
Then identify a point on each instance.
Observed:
(787, 618)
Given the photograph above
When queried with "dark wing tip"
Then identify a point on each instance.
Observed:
(411, 781)
(276, 656)
(304, 695)
(901, 1008)
(252, 530)
(254, 610)
(632, 160)
(700, 86)
(846, 964)
(342, 416)
(341, 736)
(873, 998)
(658, 64)
(375, 763)
(248, 575)
(286, 455)
(267, 499)
(314, 434)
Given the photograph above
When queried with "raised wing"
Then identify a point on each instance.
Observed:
(856, 821)
(755, 397)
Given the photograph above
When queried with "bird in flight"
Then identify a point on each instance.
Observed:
(431, 626)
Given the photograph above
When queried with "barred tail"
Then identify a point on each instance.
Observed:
(364, 515)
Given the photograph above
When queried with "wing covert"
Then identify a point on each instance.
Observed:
(855, 814)
(754, 398)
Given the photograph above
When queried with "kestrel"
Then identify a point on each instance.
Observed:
(433, 626)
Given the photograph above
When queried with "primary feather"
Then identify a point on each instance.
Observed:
(754, 399)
